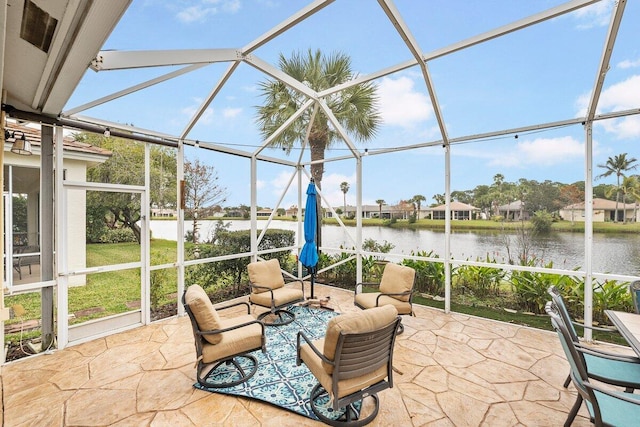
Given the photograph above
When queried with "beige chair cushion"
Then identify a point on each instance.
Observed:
(368, 300)
(396, 279)
(206, 316)
(345, 387)
(281, 297)
(357, 322)
(265, 273)
(236, 341)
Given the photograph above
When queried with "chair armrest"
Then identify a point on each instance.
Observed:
(399, 294)
(596, 328)
(235, 305)
(289, 280)
(627, 397)
(301, 335)
(368, 284)
(231, 328)
(608, 356)
(264, 288)
(603, 353)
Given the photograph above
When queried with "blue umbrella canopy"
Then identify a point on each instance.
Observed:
(309, 254)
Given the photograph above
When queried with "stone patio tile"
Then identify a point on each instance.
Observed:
(553, 369)
(71, 379)
(484, 393)
(508, 352)
(540, 391)
(453, 353)
(479, 344)
(151, 394)
(118, 372)
(496, 372)
(44, 416)
(511, 391)
(24, 396)
(99, 407)
(138, 420)
(532, 413)
(434, 379)
(91, 348)
(461, 409)
(421, 404)
(500, 414)
(479, 332)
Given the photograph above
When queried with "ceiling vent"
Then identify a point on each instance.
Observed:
(37, 26)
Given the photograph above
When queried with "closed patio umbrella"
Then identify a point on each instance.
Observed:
(309, 254)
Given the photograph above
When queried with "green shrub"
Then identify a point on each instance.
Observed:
(429, 275)
(482, 281)
(542, 221)
(530, 288)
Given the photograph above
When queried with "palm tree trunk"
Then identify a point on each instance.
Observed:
(317, 144)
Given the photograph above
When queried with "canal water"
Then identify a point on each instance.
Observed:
(612, 253)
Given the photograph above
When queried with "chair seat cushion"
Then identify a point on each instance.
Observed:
(206, 316)
(368, 300)
(237, 341)
(345, 387)
(617, 371)
(356, 322)
(281, 296)
(396, 279)
(265, 273)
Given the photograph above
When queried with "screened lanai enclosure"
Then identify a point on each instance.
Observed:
(145, 106)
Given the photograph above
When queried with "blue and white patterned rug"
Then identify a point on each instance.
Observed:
(278, 380)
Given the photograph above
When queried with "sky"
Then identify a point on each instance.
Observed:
(544, 73)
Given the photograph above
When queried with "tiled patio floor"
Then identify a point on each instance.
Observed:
(456, 371)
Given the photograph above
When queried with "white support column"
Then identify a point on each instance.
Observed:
(61, 243)
(588, 231)
(254, 209)
(447, 228)
(145, 237)
(180, 225)
(358, 219)
(300, 234)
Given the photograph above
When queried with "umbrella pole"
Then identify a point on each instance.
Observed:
(313, 276)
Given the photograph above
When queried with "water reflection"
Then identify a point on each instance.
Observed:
(612, 253)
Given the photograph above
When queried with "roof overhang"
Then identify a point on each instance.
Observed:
(41, 64)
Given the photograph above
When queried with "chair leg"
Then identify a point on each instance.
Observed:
(567, 381)
(348, 416)
(574, 411)
(279, 317)
(229, 376)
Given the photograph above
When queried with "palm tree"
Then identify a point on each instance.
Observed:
(380, 202)
(355, 107)
(630, 187)
(617, 165)
(418, 199)
(344, 187)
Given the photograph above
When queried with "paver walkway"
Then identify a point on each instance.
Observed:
(456, 370)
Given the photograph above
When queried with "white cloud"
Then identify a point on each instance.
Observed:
(627, 63)
(229, 113)
(260, 184)
(331, 189)
(402, 105)
(540, 151)
(617, 97)
(205, 8)
(595, 15)
(621, 96)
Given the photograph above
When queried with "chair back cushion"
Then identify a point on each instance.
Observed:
(396, 279)
(206, 316)
(355, 323)
(265, 273)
